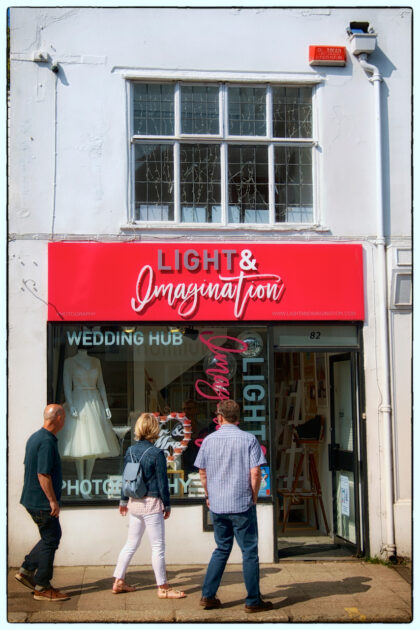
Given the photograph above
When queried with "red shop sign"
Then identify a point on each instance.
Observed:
(204, 282)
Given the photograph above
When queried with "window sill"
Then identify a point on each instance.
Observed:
(234, 227)
(286, 78)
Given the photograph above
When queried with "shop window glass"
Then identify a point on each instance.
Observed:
(169, 371)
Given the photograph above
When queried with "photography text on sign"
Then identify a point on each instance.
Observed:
(240, 289)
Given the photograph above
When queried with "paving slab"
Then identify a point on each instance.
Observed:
(301, 592)
(407, 598)
(17, 617)
(98, 616)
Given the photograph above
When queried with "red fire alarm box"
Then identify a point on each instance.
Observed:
(327, 55)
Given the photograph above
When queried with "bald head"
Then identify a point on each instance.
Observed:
(54, 416)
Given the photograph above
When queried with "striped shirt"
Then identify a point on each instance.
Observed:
(227, 455)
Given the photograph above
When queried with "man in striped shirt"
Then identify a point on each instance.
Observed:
(229, 461)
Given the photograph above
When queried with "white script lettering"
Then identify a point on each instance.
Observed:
(240, 289)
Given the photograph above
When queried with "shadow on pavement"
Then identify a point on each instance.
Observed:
(306, 591)
(188, 579)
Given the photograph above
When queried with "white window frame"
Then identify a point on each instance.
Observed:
(397, 276)
(223, 139)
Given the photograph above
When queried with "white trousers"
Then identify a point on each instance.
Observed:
(155, 526)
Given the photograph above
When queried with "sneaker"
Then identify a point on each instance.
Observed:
(210, 602)
(50, 595)
(261, 607)
(26, 580)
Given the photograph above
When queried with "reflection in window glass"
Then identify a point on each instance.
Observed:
(293, 184)
(153, 109)
(154, 182)
(200, 183)
(248, 184)
(292, 112)
(200, 109)
(165, 370)
(247, 111)
(345, 505)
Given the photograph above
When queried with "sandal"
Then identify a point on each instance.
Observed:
(170, 593)
(122, 587)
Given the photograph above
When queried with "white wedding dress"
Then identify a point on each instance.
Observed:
(90, 434)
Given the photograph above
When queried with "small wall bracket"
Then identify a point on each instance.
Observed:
(40, 56)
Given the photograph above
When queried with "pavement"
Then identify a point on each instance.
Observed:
(301, 592)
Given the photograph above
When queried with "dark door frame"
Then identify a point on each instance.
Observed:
(335, 454)
(357, 362)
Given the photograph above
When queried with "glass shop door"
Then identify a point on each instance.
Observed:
(343, 451)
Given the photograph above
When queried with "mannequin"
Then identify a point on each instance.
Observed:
(87, 433)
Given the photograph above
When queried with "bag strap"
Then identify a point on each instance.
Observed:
(138, 462)
(147, 449)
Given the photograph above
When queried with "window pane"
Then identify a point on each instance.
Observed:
(153, 109)
(292, 112)
(293, 185)
(200, 183)
(200, 109)
(248, 184)
(247, 111)
(154, 182)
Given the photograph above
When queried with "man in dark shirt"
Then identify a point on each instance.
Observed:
(41, 496)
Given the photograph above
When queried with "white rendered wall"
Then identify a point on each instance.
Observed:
(401, 326)
(186, 543)
(68, 176)
(90, 98)
(400, 330)
(374, 469)
(27, 372)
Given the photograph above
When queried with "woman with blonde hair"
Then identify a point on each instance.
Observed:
(149, 512)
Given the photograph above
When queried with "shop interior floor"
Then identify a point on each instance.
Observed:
(305, 543)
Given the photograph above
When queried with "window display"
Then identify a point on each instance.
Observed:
(107, 375)
(87, 433)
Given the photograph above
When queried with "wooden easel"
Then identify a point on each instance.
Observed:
(295, 494)
(293, 416)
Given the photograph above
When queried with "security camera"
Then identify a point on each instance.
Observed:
(55, 68)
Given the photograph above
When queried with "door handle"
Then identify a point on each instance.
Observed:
(332, 456)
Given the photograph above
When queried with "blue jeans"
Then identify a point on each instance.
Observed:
(41, 558)
(243, 527)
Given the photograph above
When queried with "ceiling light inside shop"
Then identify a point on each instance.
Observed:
(128, 329)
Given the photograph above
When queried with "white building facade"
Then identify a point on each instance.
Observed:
(212, 217)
